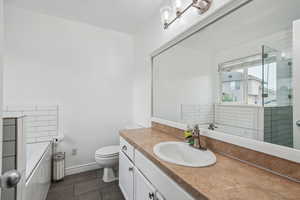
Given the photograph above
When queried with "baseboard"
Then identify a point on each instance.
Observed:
(81, 168)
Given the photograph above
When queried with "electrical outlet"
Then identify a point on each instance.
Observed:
(74, 152)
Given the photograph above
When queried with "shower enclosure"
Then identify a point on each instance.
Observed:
(277, 96)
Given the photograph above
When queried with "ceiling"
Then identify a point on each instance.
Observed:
(120, 15)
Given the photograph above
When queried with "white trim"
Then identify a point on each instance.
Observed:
(264, 147)
(81, 168)
(180, 126)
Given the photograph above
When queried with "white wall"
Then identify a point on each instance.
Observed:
(296, 83)
(85, 69)
(182, 76)
(150, 38)
(1, 57)
(1, 77)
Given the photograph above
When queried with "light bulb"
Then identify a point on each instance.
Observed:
(177, 5)
(165, 13)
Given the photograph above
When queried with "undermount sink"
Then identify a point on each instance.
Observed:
(181, 153)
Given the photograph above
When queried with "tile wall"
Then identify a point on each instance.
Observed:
(279, 125)
(40, 122)
(9, 153)
(244, 121)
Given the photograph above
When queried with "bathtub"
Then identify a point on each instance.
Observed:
(38, 170)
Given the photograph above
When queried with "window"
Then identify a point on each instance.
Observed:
(254, 81)
(232, 86)
(242, 81)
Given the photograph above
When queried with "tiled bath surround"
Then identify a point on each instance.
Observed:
(40, 122)
(268, 124)
(201, 114)
(244, 121)
(9, 152)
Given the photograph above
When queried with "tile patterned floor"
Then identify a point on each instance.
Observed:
(85, 186)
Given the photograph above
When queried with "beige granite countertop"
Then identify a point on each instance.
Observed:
(228, 179)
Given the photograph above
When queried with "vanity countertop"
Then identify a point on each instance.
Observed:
(228, 179)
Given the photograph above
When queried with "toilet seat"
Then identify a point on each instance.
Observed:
(108, 152)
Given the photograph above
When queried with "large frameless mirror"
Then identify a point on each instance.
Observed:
(236, 73)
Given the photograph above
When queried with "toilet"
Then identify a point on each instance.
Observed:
(108, 158)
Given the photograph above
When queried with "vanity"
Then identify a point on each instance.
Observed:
(143, 175)
(140, 178)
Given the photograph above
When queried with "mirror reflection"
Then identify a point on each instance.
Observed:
(236, 74)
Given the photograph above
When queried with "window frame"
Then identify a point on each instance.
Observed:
(243, 62)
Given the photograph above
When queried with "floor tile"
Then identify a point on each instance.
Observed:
(58, 187)
(111, 192)
(94, 195)
(91, 185)
(99, 173)
(76, 178)
(87, 175)
(113, 187)
(63, 189)
(85, 186)
(63, 193)
(112, 196)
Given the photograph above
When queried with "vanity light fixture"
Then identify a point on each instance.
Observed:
(166, 12)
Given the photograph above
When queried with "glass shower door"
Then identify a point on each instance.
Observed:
(277, 97)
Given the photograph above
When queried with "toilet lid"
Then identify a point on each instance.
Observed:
(108, 151)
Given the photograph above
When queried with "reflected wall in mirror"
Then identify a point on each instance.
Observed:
(236, 73)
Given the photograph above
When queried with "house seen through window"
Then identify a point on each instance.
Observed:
(243, 81)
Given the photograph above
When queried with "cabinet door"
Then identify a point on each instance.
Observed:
(126, 172)
(143, 190)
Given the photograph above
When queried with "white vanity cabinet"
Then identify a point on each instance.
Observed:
(140, 179)
(126, 176)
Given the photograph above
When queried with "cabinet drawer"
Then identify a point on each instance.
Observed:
(166, 186)
(127, 148)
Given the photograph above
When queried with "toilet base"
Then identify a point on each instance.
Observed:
(109, 175)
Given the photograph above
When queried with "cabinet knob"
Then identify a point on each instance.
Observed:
(130, 169)
(151, 195)
(298, 123)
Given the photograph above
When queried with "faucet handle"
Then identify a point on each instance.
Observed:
(212, 126)
(196, 129)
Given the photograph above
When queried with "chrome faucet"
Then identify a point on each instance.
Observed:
(196, 135)
(212, 126)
